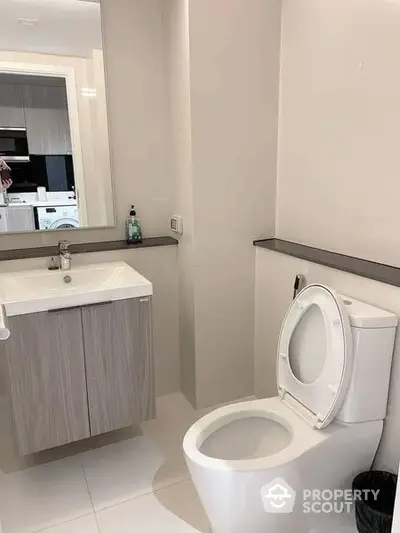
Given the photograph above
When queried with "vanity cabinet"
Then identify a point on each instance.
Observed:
(80, 372)
(47, 383)
(119, 369)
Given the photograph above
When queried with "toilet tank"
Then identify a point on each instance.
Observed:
(373, 331)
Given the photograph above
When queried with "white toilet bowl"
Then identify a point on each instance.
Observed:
(230, 477)
(238, 453)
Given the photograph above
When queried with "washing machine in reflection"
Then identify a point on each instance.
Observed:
(56, 217)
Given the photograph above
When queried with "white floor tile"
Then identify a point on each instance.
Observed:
(43, 496)
(135, 467)
(87, 524)
(182, 500)
(123, 471)
(49, 495)
(172, 510)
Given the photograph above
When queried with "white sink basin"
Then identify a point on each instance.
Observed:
(42, 290)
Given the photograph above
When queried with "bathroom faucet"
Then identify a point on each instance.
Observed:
(65, 255)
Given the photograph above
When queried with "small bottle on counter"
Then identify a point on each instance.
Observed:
(42, 194)
(133, 228)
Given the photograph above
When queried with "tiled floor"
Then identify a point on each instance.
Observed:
(137, 485)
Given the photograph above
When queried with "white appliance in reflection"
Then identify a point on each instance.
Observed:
(57, 217)
(16, 218)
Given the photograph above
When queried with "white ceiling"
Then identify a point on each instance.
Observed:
(65, 27)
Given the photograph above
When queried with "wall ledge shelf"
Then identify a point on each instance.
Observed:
(86, 248)
(353, 265)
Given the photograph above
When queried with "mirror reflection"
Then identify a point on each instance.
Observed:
(54, 148)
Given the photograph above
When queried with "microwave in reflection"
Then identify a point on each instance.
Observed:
(14, 145)
(54, 172)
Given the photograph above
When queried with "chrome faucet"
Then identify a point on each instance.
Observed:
(65, 255)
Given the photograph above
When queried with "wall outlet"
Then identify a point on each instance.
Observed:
(177, 224)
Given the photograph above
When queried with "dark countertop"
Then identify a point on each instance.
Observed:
(85, 248)
(361, 267)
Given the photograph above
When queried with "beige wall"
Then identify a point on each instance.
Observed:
(138, 112)
(178, 74)
(338, 167)
(234, 62)
(275, 274)
(159, 266)
(339, 164)
(224, 95)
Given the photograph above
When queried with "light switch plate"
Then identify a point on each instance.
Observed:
(177, 224)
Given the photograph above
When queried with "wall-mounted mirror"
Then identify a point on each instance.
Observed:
(54, 146)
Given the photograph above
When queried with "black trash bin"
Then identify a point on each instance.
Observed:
(375, 515)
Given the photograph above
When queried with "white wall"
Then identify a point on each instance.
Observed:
(275, 275)
(159, 266)
(102, 172)
(339, 164)
(138, 112)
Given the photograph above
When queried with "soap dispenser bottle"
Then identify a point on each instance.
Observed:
(133, 228)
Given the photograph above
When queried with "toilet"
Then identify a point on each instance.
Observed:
(333, 370)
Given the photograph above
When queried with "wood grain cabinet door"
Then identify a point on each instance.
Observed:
(11, 106)
(47, 379)
(47, 120)
(119, 364)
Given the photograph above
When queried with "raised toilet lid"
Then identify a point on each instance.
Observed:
(315, 355)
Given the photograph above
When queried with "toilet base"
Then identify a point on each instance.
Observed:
(232, 497)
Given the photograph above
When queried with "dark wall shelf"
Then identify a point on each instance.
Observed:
(86, 248)
(361, 267)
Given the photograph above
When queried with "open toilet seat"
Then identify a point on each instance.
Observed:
(319, 400)
(301, 436)
(291, 419)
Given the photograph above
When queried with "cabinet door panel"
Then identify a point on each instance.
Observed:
(11, 106)
(47, 120)
(119, 364)
(47, 380)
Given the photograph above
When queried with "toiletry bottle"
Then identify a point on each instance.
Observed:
(133, 228)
